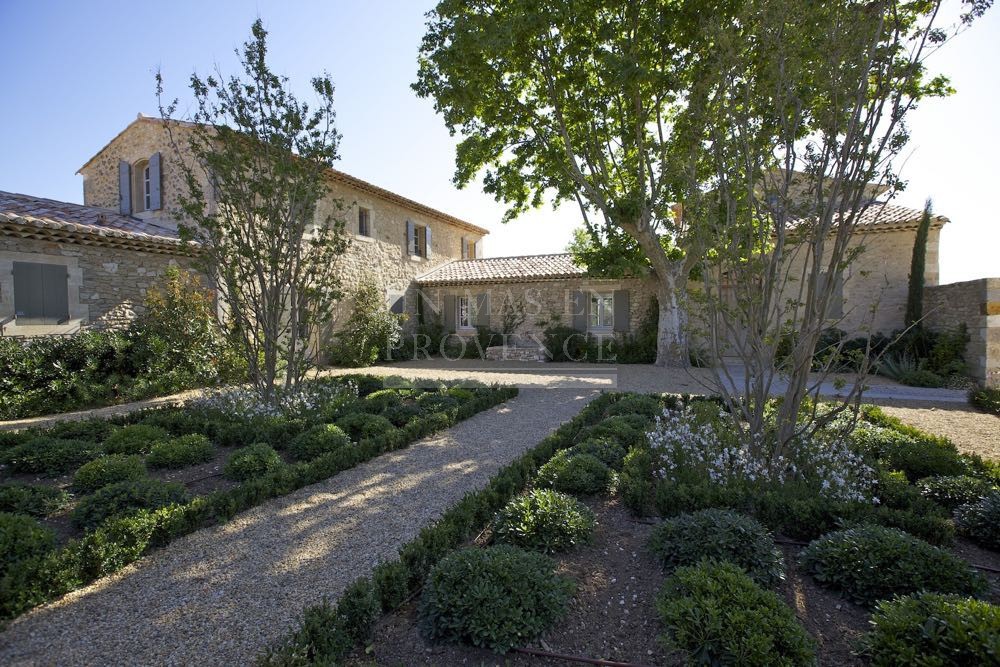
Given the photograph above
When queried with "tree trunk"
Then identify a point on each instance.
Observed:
(671, 334)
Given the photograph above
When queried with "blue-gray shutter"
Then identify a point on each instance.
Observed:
(427, 241)
(410, 233)
(450, 313)
(478, 250)
(465, 248)
(483, 309)
(124, 187)
(621, 314)
(55, 282)
(41, 293)
(579, 306)
(154, 182)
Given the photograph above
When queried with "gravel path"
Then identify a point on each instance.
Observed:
(221, 594)
(971, 430)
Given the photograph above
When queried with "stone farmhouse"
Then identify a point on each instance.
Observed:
(66, 267)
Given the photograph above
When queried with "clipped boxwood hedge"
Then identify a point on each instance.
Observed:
(21, 538)
(544, 520)
(953, 491)
(135, 439)
(318, 440)
(180, 452)
(126, 497)
(575, 473)
(252, 461)
(50, 455)
(37, 501)
(980, 521)
(107, 470)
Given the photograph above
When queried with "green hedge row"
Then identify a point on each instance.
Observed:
(120, 541)
(987, 400)
(326, 633)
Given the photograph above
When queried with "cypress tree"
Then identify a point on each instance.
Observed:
(915, 296)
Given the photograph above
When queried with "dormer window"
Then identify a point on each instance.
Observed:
(139, 185)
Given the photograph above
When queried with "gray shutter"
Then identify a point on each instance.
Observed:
(410, 233)
(28, 292)
(56, 292)
(478, 249)
(450, 313)
(427, 241)
(621, 315)
(465, 248)
(579, 305)
(124, 187)
(483, 309)
(154, 182)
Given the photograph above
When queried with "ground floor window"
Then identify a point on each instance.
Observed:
(464, 315)
(602, 310)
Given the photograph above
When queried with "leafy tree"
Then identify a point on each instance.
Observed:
(370, 332)
(915, 294)
(256, 171)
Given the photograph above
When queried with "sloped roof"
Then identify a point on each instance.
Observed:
(524, 268)
(882, 214)
(35, 217)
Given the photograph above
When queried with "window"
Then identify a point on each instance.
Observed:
(468, 248)
(602, 309)
(41, 293)
(364, 222)
(141, 192)
(418, 239)
(464, 315)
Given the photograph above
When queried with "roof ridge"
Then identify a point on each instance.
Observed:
(539, 254)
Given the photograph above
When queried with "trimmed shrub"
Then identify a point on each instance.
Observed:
(636, 404)
(933, 629)
(607, 451)
(379, 401)
(719, 535)
(720, 616)
(50, 456)
(915, 455)
(496, 598)
(980, 521)
(252, 461)
(392, 585)
(366, 384)
(125, 498)
(544, 520)
(987, 400)
(21, 538)
(183, 451)
(401, 415)
(135, 439)
(436, 402)
(91, 430)
(318, 440)
(953, 491)
(627, 430)
(38, 501)
(583, 473)
(362, 426)
(872, 563)
(635, 483)
(921, 377)
(107, 470)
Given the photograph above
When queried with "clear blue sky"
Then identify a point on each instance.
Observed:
(73, 74)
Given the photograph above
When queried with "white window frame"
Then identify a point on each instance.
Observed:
(463, 313)
(141, 195)
(601, 315)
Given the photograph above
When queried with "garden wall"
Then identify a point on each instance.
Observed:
(977, 304)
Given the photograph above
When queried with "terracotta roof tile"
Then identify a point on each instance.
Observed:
(503, 269)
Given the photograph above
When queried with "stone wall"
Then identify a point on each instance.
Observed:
(107, 286)
(977, 304)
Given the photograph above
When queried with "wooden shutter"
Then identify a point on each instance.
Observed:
(622, 312)
(450, 314)
(427, 241)
(154, 183)
(124, 187)
(483, 309)
(465, 248)
(411, 232)
(41, 293)
(579, 305)
(477, 249)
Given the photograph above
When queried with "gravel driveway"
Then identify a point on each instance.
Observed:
(219, 595)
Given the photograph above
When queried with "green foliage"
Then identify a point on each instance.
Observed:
(719, 535)
(980, 521)
(179, 452)
(392, 585)
(921, 377)
(370, 332)
(928, 629)
(321, 439)
(379, 401)
(361, 426)
(126, 497)
(915, 286)
(637, 404)
(563, 343)
(108, 470)
(635, 484)
(135, 439)
(628, 430)
(21, 538)
(433, 401)
(987, 399)
(252, 461)
(915, 454)
(952, 491)
(50, 456)
(581, 473)
(872, 563)
(400, 415)
(496, 597)
(38, 501)
(544, 520)
(607, 451)
(719, 616)
(93, 430)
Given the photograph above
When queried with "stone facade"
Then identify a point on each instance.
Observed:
(977, 304)
(107, 286)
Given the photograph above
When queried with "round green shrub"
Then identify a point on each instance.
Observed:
(135, 439)
(252, 461)
(361, 425)
(22, 537)
(379, 401)
(872, 563)
(953, 491)
(107, 470)
(179, 452)
(607, 451)
(980, 521)
(496, 598)
(916, 457)
(921, 378)
(318, 440)
(719, 535)
(720, 616)
(636, 404)
(544, 520)
(91, 430)
(582, 473)
(37, 501)
(401, 415)
(50, 456)
(125, 498)
(627, 430)
(433, 401)
(933, 629)
(461, 393)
